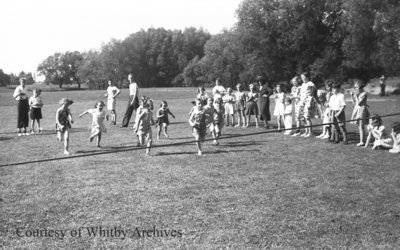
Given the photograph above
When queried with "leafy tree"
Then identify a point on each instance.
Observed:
(4, 78)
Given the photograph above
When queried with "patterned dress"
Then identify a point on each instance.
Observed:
(251, 104)
(360, 112)
(63, 118)
(307, 104)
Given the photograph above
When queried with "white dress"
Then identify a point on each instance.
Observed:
(229, 101)
(111, 103)
(279, 104)
(98, 120)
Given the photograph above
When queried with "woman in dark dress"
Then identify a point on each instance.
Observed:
(263, 100)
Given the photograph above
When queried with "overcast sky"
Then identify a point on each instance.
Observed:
(32, 30)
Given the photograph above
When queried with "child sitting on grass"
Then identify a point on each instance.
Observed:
(143, 128)
(377, 130)
(337, 105)
(197, 121)
(63, 122)
(396, 138)
(162, 118)
(98, 127)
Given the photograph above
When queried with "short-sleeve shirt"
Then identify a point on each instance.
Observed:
(18, 91)
(111, 91)
(336, 102)
(35, 102)
(133, 89)
(220, 89)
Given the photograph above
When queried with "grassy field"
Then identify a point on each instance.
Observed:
(255, 192)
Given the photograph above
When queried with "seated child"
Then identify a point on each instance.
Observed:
(377, 130)
(396, 138)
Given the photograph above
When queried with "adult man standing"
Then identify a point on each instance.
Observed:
(133, 102)
(382, 83)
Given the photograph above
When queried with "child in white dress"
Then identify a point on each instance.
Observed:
(288, 116)
(229, 105)
(98, 127)
(377, 130)
(112, 92)
(279, 110)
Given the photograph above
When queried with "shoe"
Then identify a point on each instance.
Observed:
(32, 132)
(237, 126)
(360, 144)
(199, 153)
(303, 135)
(307, 135)
(325, 137)
(296, 134)
(320, 136)
(66, 152)
(19, 134)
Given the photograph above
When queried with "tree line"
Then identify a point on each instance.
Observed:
(278, 39)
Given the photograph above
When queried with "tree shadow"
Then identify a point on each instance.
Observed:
(204, 152)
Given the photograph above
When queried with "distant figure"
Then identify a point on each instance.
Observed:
(98, 127)
(218, 88)
(63, 122)
(240, 98)
(229, 105)
(21, 95)
(382, 84)
(35, 104)
(112, 92)
(133, 102)
(288, 116)
(279, 110)
(251, 105)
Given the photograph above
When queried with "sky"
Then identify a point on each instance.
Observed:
(32, 30)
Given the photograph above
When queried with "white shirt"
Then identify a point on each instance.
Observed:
(133, 89)
(111, 91)
(35, 102)
(17, 93)
(336, 102)
(220, 89)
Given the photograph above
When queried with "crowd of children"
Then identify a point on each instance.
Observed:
(213, 112)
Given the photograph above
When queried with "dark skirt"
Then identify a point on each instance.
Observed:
(161, 120)
(263, 105)
(251, 108)
(35, 114)
(23, 114)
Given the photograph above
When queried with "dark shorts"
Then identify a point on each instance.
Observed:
(35, 113)
(340, 120)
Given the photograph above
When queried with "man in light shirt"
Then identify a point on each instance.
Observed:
(133, 102)
(218, 88)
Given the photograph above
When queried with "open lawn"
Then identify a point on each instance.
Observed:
(259, 191)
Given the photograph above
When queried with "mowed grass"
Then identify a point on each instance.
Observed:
(260, 191)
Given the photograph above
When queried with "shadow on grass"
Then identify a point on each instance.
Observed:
(5, 138)
(204, 152)
(243, 144)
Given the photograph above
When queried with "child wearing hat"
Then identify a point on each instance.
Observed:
(63, 122)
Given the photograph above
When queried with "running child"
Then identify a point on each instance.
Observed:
(360, 112)
(197, 121)
(337, 105)
(378, 131)
(112, 92)
(63, 122)
(202, 95)
(35, 104)
(279, 110)
(240, 98)
(143, 128)
(229, 106)
(98, 127)
(162, 118)
(218, 121)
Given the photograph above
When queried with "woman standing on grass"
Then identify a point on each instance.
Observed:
(21, 95)
(307, 102)
(263, 100)
(112, 92)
